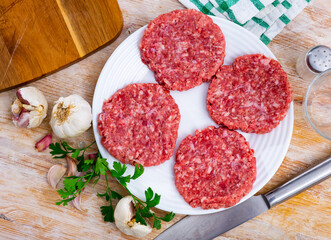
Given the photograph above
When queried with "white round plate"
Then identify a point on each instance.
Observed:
(125, 67)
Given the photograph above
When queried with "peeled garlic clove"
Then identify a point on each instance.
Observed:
(71, 116)
(44, 143)
(55, 174)
(125, 221)
(72, 166)
(29, 108)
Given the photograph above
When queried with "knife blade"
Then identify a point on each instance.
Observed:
(212, 225)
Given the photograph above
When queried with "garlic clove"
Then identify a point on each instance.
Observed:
(31, 96)
(16, 107)
(72, 166)
(20, 97)
(125, 221)
(22, 120)
(33, 102)
(16, 116)
(55, 174)
(76, 203)
(44, 143)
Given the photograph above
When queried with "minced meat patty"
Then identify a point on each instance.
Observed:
(184, 48)
(139, 124)
(252, 95)
(215, 168)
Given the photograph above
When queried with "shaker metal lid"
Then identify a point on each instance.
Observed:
(319, 58)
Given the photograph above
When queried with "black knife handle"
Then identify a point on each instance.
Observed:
(300, 183)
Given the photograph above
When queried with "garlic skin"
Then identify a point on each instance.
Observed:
(29, 108)
(125, 221)
(71, 116)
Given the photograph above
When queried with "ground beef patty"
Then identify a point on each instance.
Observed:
(183, 48)
(139, 124)
(214, 168)
(252, 95)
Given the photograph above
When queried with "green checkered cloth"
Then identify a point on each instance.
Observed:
(264, 18)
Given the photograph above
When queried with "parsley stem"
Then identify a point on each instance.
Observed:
(84, 149)
(108, 188)
(88, 146)
(85, 183)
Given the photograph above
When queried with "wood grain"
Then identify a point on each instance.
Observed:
(91, 23)
(42, 36)
(27, 209)
(7, 70)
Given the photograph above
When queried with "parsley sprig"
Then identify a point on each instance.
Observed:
(93, 169)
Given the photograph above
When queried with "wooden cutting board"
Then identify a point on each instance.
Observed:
(38, 37)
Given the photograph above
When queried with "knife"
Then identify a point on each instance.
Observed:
(210, 226)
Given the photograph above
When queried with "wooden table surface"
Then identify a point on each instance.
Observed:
(27, 202)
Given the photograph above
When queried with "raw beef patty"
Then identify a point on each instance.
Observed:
(252, 95)
(139, 124)
(184, 48)
(214, 168)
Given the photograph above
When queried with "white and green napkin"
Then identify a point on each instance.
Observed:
(264, 18)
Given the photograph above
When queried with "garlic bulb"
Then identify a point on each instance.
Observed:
(71, 116)
(29, 108)
(125, 221)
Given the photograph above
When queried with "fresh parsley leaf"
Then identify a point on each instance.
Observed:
(115, 174)
(64, 194)
(124, 180)
(119, 168)
(76, 153)
(65, 202)
(81, 158)
(145, 212)
(83, 166)
(88, 162)
(66, 146)
(157, 223)
(106, 195)
(138, 171)
(101, 166)
(139, 218)
(57, 151)
(115, 195)
(168, 217)
(155, 201)
(80, 185)
(149, 194)
(96, 181)
(70, 183)
(108, 213)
